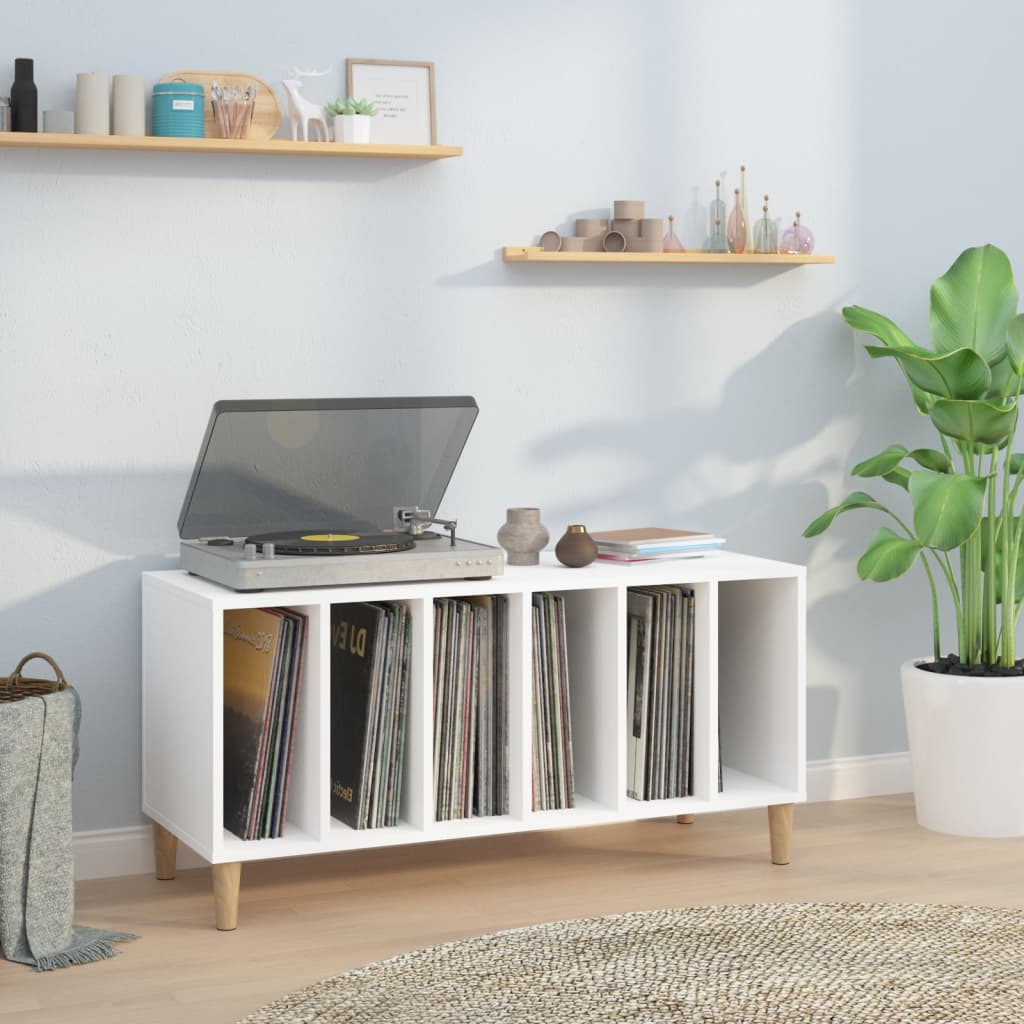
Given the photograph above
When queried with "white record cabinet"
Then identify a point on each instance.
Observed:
(748, 707)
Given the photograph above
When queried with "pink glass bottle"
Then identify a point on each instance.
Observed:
(745, 206)
(671, 243)
(737, 230)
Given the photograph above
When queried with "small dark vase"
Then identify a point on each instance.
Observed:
(24, 98)
(576, 548)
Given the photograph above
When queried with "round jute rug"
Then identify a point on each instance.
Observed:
(772, 963)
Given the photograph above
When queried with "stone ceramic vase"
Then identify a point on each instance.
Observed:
(576, 548)
(522, 535)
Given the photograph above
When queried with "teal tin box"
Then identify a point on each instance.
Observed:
(178, 109)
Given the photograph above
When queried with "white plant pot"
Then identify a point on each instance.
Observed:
(965, 745)
(352, 127)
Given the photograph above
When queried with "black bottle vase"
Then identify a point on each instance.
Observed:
(24, 98)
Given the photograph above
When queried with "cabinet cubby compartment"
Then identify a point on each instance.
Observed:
(411, 809)
(499, 643)
(749, 674)
(704, 753)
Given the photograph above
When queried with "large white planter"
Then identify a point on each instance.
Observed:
(967, 747)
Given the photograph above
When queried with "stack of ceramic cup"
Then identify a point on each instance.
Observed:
(639, 233)
(627, 231)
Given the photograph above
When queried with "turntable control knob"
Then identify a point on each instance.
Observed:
(250, 550)
(458, 563)
(268, 551)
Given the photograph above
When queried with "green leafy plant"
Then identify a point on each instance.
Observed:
(351, 106)
(964, 497)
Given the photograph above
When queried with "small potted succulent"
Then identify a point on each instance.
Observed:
(352, 119)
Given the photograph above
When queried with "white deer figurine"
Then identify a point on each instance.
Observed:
(302, 112)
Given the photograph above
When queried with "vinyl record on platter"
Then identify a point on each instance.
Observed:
(318, 542)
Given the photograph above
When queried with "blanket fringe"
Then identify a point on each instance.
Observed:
(98, 949)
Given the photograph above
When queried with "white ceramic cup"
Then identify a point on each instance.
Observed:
(92, 104)
(129, 105)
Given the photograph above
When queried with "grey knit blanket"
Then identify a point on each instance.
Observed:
(38, 751)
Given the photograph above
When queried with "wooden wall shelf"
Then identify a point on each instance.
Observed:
(534, 254)
(262, 147)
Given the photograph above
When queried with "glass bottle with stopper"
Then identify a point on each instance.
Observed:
(716, 240)
(737, 230)
(745, 206)
(797, 238)
(671, 242)
(765, 233)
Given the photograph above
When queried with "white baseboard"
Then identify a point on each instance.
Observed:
(129, 851)
(844, 778)
(122, 851)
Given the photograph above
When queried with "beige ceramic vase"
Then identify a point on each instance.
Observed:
(523, 535)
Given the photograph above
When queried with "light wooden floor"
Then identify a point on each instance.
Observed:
(305, 919)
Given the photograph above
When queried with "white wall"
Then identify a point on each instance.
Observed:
(136, 289)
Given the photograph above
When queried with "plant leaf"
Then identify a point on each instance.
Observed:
(858, 499)
(870, 322)
(1005, 383)
(1015, 344)
(882, 463)
(898, 476)
(979, 422)
(931, 459)
(959, 374)
(1016, 462)
(972, 303)
(947, 507)
(887, 557)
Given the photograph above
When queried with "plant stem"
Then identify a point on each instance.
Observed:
(1011, 551)
(936, 639)
(947, 569)
(988, 639)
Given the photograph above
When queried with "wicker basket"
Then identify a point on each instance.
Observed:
(16, 686)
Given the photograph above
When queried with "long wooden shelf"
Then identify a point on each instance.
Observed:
(534, 254)
(263, 147)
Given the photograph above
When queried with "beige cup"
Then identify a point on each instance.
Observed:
(628, 209)
(615, 241)
(588, 226)
(129, 105)
(92, 104)
(551, 241)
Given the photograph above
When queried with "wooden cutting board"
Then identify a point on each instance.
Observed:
(266, 118)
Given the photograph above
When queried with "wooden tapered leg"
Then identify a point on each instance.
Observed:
(227, 879)
(165, 847)
(684, 819)
(780, 831)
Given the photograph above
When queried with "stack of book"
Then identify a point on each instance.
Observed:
(470, 707)
(648, 543)
(263, 656)
(659, 694)
(552, 728)
(370, 651)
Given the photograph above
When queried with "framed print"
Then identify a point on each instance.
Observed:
(403, 91)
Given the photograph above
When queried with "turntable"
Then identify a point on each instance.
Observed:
(327, 492)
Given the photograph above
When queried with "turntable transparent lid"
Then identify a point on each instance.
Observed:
(332, 464)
